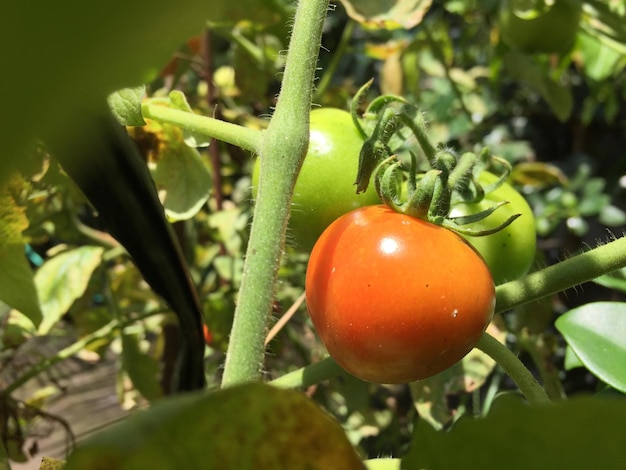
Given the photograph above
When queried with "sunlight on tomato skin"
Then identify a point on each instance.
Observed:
(395, 299)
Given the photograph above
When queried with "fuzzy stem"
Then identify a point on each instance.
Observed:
(282, 151)
(515, 369)
(243, 137)
(561, 276)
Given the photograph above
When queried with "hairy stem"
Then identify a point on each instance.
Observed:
(515, 369)
(282, 151)
(247, 139)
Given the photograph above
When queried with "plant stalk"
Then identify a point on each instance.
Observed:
(283, 148)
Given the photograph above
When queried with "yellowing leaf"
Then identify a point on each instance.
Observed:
(387, 15)
(63, 279)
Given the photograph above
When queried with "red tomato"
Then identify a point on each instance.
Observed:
(396, 299)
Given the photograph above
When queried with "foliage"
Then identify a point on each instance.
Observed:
(104, 252)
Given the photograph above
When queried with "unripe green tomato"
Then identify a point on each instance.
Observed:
(325, 187)
(551, 32)
(509, 253)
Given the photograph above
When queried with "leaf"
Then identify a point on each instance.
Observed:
(91, 50)
(392, 14)
(596, 332)
(577, 433)
(558, 96)
(431, 396)
(63, 279)
(615, 280)
(182, 179)
(17, 285)
(48, 463)
(142, 369)
(126, 105)
(243, 427)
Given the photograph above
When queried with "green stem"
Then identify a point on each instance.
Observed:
(310, 375)
(515, 369)
(282, 151)
(561, 276)
(243, 137)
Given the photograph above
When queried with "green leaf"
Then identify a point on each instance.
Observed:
(17, 285)
(63, 279)
(387, 15)
(142, 369)
(577, 433)
(615, 280)
(244, 427)
(182, 180)
(596, 332)
(558, 97)
(571, 361)
(126, 105)
(91, 50)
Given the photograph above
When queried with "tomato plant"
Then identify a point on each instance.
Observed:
(550, 31)
(325, 186)
(510, 252)
(394, 298)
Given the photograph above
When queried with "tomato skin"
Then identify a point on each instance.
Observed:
(396, 299)
(325, 187)
(509, 253)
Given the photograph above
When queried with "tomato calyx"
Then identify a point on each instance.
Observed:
(436, 178)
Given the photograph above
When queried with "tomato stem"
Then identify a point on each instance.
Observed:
(282, 152)
(243, 137)
(532, 390)
(562, 276)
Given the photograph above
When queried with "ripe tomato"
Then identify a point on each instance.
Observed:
(552, 31)
(509, 253)
(396, 299)
(325, 187)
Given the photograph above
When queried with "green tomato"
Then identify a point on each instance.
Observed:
(509, 253)
(325, 187)
(552, 31)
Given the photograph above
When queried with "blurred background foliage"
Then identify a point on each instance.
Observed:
(542, 86)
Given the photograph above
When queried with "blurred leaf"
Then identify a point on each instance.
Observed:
(125, 105)
(558, 96)
(615, 280)
(597, 334)
(91, 50)
(142, 369)
(599, 60)
(383, 464)
(389, 14)
(62, 279)
(48, 463)
(249, 426)
(431, 395)
(17, 285)
(612, 216)
(576, 433)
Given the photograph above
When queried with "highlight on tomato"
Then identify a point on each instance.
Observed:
(394, 298)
